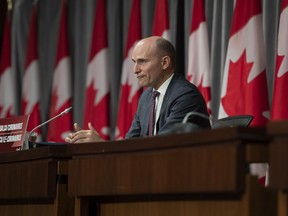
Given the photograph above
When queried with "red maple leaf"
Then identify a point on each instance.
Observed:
(8, 114)
(127, 109)
(97, 114)
(205, 91)
(34, 118)
(58, 128)
(89, 101)
(124, 120)
(243, 97)
(189, 77)
(23, 106)
(279, 60)
(279, 104)
(54, 99)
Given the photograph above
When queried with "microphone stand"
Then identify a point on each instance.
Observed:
(32, 133)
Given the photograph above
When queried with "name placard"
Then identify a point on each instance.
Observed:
(12, 132)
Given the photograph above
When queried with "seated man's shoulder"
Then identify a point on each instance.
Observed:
(145, 94)
(182, 84)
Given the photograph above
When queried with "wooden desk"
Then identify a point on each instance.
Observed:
(278, 160)
(34, 183)
(201, 173)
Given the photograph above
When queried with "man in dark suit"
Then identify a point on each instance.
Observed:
(180, 98)
(154, 66)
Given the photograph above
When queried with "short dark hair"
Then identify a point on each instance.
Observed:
(164, 47)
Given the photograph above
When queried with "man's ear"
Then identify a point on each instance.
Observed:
(165, 62)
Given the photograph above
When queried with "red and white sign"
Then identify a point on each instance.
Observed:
(12, 133)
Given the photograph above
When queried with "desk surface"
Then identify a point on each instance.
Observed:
(34, 154)
(251, 135)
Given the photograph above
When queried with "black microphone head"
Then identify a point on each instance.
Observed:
(185, 127)
(32, 139)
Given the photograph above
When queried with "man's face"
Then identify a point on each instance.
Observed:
(147, 65)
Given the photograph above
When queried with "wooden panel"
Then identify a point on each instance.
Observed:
(30, 174)
(62, 205)
(199, 169)
(278, 163)
(278, 151)
(28, 180)
(278, 175)
(199, 174)
(250, 203)
(278, 128)
(282, 204)
(34, 182)
(28, 210)
(257, 152)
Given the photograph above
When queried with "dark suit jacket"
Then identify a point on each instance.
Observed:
(180, 98)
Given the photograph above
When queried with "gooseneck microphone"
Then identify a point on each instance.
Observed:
(193, 113)
(212, 120)
(188, 126)
(32, 132)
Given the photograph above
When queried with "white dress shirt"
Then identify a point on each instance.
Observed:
(159, 100)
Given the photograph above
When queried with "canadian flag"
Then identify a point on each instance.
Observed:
(61, 88)
(198, 53)
(7, 85)
(161, 20)
(279, 102)
(97, 88)
(130, 88)
(244, 86)
(30, 88)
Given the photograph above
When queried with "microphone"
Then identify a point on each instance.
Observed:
(185, 126)
(185, 119)
(212, 120)
(32, 132)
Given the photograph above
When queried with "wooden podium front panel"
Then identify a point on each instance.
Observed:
(32, 183)
(30, 180)
(197, 169)
(255, 201)
(278, 163)
(278, 155)
(199, 174)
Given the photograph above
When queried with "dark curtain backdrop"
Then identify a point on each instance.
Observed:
(3, 9)
(80, 19)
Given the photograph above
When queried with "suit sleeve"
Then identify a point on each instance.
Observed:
(135, 129)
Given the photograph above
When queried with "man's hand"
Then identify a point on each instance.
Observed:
(83, 136)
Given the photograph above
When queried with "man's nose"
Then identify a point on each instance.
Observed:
(136, 68)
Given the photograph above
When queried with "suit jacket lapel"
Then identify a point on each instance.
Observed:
(169, 91)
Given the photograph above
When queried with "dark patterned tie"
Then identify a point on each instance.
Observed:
(155, 94)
